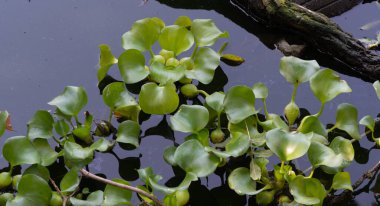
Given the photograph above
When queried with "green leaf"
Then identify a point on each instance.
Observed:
(19, 150)
(312, 124)
(143, 34)
(206, 33)
(192, 157)
(71, 101)
(156, 99)
(369, 122)
(47, 154)
(147, 175)
(342, 180)
(239, 103)
(77, 156)
(163, 74)
(202, 136)
(288, 146)
(343, 147)
(274, 121)
(238, 144)
(319, 154)
(115, 195)
(32, 190)
(241, 182)
(39, 171)
(176, 38)
(40, 126)
(95, 198)
(3, 121)
(106, 61)
(255, 170)
(184, 21)
(215, 101)
(326, 85)
(128, 132)
(169, 155)
(376, 86)
(182, 186)
(260, 90)
(103, 145)
(307, 191)
(206, 61)
(70, 181)
(347, 120)
(189, 118)
(83, 133)
(132, 66)
(61, 127)
(296, 70)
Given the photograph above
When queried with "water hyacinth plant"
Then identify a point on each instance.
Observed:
(220, 128)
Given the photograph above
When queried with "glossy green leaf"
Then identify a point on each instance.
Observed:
(255, 170)
(238, 144)
(274, 121)
(169, 155)
(103, 145)
(189, 118)
(3, 121)
(163, 74)
(342, 180)
(70, 181)
(83, 132)
(312, 124)
(215, 101)
(260, 90)
(296, 70)
(71, 101)
(247, 126)
(319, 154)
(258, 168)
(106, 60)
(182, 186)
(347, 120)
(19, 150)
(192, 157)
(61, 127)
(115, 195)
(369, 122)
(206, 61)
(77, 156)
(239, 103)
(184, 21)
(202, 136)
(47, 154)
(343, 147)
(241, 182)
(32, 190)
(40, 126)
(176, 38)
(39, 171)
(326, 85)
(95, 198)
(288, 146)
(376, 86)
(147, 175)
(206, 33)
(143, 34)
(156, 99)
(307, 191)
(128, 132)
(132, 66)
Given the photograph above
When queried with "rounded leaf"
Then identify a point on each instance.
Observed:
(176, 38)
(19, 150)
(319, 154)
(308, 191)
(326, 85)
(143, 34)
(312, 124)
(206, 61)
(128, 132)
(239, 103)
(47, 154)
(192, 157)
(156, 99)
(40, 126)
(163, 74)
(95, 198)
(369, 122)
(70, 181)
(71, 101)
(132, 66)
(189, 118)
(4, 115)
(241, 182)
(169, 155)
(296, 70)
(115, 195)
(376, 86)
(106, 60)
(238, 144)
(215, 101)
(347, 120)
(288, 146)
(184, 21)
(260, 90)
(77, 156)
(342, 180)
(206, 33)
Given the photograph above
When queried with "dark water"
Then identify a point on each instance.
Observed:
(46, 45)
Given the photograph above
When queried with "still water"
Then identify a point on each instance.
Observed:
(46, 45)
